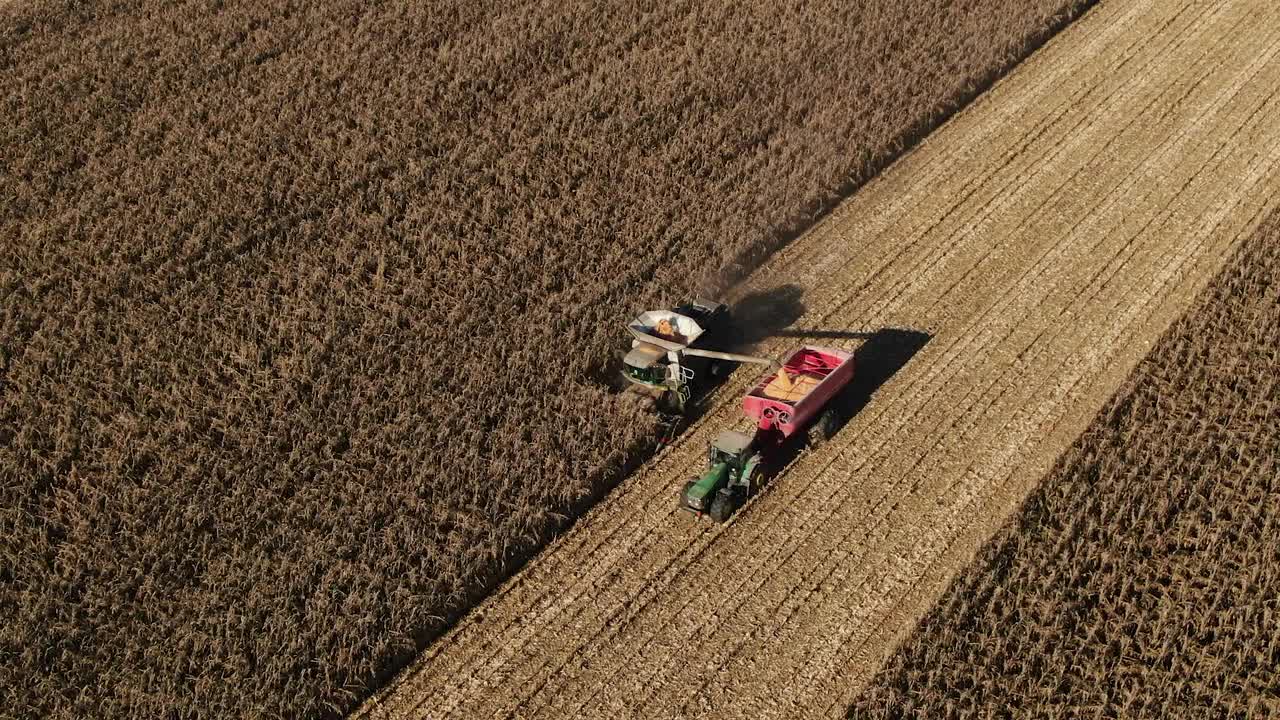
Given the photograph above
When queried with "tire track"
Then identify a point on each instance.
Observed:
(1168, 274)
(732, 592)
(1014, 399)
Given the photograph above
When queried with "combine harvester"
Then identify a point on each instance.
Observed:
(670, 359)
(670, 362)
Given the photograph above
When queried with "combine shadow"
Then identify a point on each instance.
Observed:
(764, 314)
(773, 313)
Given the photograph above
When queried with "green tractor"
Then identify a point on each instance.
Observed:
(796, 403)
(735, 470)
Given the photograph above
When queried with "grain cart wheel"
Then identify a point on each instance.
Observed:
(825, 428)
(724, 505)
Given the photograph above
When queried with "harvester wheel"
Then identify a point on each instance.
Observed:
(675, 401)
(669, 403)
(723, 506)
(669, 426)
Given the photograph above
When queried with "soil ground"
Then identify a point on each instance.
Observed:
(1001, 281)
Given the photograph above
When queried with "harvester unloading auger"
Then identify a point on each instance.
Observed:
(670, 361)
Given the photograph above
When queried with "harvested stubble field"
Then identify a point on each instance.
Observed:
(1142, 578)
(300, 304)
(998, 284)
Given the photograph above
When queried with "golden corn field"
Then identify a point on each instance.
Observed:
(303, 307)
(1142, 577)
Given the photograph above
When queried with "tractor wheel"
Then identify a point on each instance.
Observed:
(754, 481)
(723, 506)
(682, 502)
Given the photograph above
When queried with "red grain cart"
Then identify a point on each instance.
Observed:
(786, 401)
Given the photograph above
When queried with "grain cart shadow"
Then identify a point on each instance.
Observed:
(885, 352)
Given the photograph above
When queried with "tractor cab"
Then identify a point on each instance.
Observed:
(733, 472)
(732, 448)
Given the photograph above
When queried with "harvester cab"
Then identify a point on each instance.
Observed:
(656, 364)
(646, 364)
(734, 472)
(669, 359)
